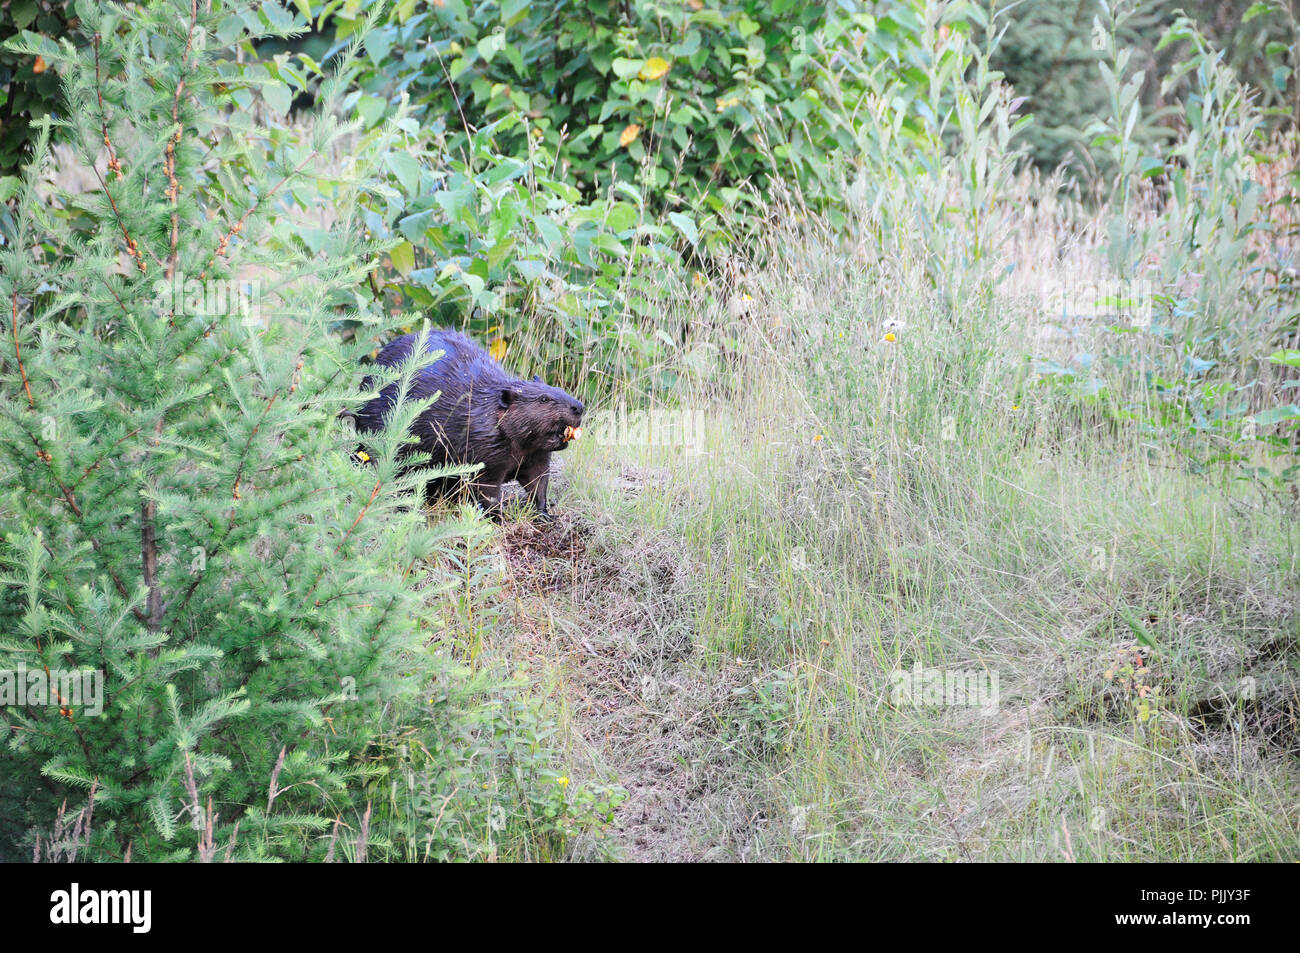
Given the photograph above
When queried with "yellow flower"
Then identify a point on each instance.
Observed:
(727, 103)
(816, 438)
(363, 456)
(654, 67)
(890, 337)
(498, 349)
(562, 782)
(629, 135)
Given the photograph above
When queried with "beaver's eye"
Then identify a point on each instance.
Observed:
(545, 399)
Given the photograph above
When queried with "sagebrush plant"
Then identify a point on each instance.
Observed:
(182, 512)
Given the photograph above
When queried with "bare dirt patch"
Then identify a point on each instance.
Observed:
(615, 613)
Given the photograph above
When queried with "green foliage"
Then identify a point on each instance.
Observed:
(765, 710)
(1050, 51)
(571, 159)
(1203, 354)
(500, 246)
(478, 780)
(690, 102)
(29, 88)
(182, 515)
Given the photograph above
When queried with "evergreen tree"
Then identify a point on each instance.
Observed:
(182, 514)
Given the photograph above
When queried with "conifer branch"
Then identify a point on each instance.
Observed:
(18, 355)
(104, 456)
(45, 457)
(116, 297)
(149, 550)
(243, 456)
(114, 164)
(235, 229)
(169, 163)
(373, 493)
(132, 248)
(239, 474)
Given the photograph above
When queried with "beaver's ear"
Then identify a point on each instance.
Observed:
(507, 397)
(537, 378)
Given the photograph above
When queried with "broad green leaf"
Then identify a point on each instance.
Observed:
(403, 255)
(621, 217)
(371, 109)
(686, 226)
(1277, 415)
(625, 68)
(1288, 356)
(278, 97)
(406, 168)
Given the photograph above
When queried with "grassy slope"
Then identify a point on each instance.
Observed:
(720, 625)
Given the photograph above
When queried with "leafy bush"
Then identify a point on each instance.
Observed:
(572, 158)
(1050, 51)
(29, 88)
(499, 246)
(1207, 245)
(688, 101)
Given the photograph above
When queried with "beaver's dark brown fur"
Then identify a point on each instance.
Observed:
(483, 415)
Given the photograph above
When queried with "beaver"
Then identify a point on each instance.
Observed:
(483, 415)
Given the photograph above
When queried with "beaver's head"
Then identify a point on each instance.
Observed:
(536, 417)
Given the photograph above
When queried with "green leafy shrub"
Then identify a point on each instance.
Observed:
(1049, 52)
(1189, 218)
(572, 159)
(478, 780)
(29, 88)
(500, 247)
(690, 101)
